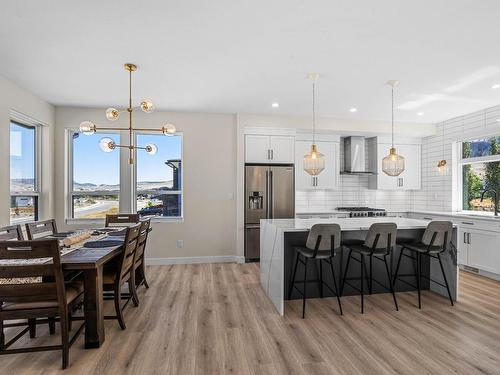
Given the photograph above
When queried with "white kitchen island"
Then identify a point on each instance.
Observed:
(278, 236)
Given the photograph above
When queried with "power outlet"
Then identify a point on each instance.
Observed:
(180, 243)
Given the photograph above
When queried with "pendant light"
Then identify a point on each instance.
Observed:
(441, 165)
(393, 164)
(314, 161)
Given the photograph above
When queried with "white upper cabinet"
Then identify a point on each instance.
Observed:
(409, 179)
(328, 178)
(269, 149)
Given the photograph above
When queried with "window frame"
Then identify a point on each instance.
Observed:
(37, 169)
(128, 179)
(70, 193)
(167, 192)
(461, 161)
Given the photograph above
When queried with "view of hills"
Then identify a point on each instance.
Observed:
(26, 184)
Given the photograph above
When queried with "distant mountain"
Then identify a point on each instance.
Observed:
(26, 184)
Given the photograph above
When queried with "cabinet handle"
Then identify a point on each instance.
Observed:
(465, 237)
(468, 238)
(427, 218)
(268, 155)
(272, 154)
(467, 223)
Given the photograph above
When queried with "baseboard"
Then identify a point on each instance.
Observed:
(195, 260)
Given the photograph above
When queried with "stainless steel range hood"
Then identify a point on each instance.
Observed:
(354, 156)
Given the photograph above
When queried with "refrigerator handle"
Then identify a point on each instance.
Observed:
(271, 194)
(267, 194)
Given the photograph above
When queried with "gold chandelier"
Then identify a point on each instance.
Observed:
(107, 144)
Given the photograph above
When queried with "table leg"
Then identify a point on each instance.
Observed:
(94, 313)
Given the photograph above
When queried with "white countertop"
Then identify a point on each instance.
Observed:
(487, 216)
(346, 224)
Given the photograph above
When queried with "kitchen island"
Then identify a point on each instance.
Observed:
(278, 237)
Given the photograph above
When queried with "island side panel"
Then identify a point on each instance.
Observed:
(271, 264)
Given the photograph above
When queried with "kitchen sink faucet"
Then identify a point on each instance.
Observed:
(495, 198)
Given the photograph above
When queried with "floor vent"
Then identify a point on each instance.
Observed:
(471, 269)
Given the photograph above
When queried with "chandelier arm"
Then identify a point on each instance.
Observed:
(314, 110)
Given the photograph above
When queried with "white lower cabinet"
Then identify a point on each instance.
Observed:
(483, 250)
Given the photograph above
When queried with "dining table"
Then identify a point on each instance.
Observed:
(90, 261)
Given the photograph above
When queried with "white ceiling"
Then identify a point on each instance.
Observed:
(240, 56)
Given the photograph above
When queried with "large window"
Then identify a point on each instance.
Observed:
(24, 184)
(480, 164)
(95, 182)
(159, 177)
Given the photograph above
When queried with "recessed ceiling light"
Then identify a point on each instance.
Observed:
(496, 86)
(420, 113)
(498, 119)
(275, 105)
(353, 110)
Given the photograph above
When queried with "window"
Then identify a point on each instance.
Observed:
(480, 169)
(159, 177)
(94, 177)
(24, 184)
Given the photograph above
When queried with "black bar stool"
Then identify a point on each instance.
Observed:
(379, 243)
(435, 240)
(323, 242)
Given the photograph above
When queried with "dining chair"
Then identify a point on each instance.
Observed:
(12, 233)
(39, 229)
(126, 219)
(435, 240)
(35, 298)
(139, 262)
(379, 243)
(122, 271)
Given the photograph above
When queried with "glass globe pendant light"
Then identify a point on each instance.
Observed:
(314, 161)
(393, 164)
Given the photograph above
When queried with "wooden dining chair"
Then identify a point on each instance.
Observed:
(139, 262)
(122, 271)
(12, 233)
(125, 219)
(39, 229)
(34, 298)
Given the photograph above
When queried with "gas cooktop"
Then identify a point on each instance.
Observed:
(363, 211)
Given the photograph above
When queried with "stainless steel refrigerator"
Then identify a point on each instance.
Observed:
(269, 194)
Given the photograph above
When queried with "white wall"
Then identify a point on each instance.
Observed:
(13, 97)
(439, 191)
(209, 169)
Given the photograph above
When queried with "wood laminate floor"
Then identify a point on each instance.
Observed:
(215, 319)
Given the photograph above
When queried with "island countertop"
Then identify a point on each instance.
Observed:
(346, 224)
(275, 253)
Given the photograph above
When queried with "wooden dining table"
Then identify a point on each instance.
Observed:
(91, 262)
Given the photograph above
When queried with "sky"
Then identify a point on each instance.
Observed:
(22, 155)
(92, 165)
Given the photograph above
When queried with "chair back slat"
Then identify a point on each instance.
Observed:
(439, 231)
(129, 248)
(12, 232)
(143, 236)
(24, 271)
(121, 219)
(327, 232)
(37, 259)
(381, 236)
(39, 229)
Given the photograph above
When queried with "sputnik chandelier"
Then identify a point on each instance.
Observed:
(107, 144)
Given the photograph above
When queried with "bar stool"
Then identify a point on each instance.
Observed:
(323, 242)
(379, 243)
(434, 241)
